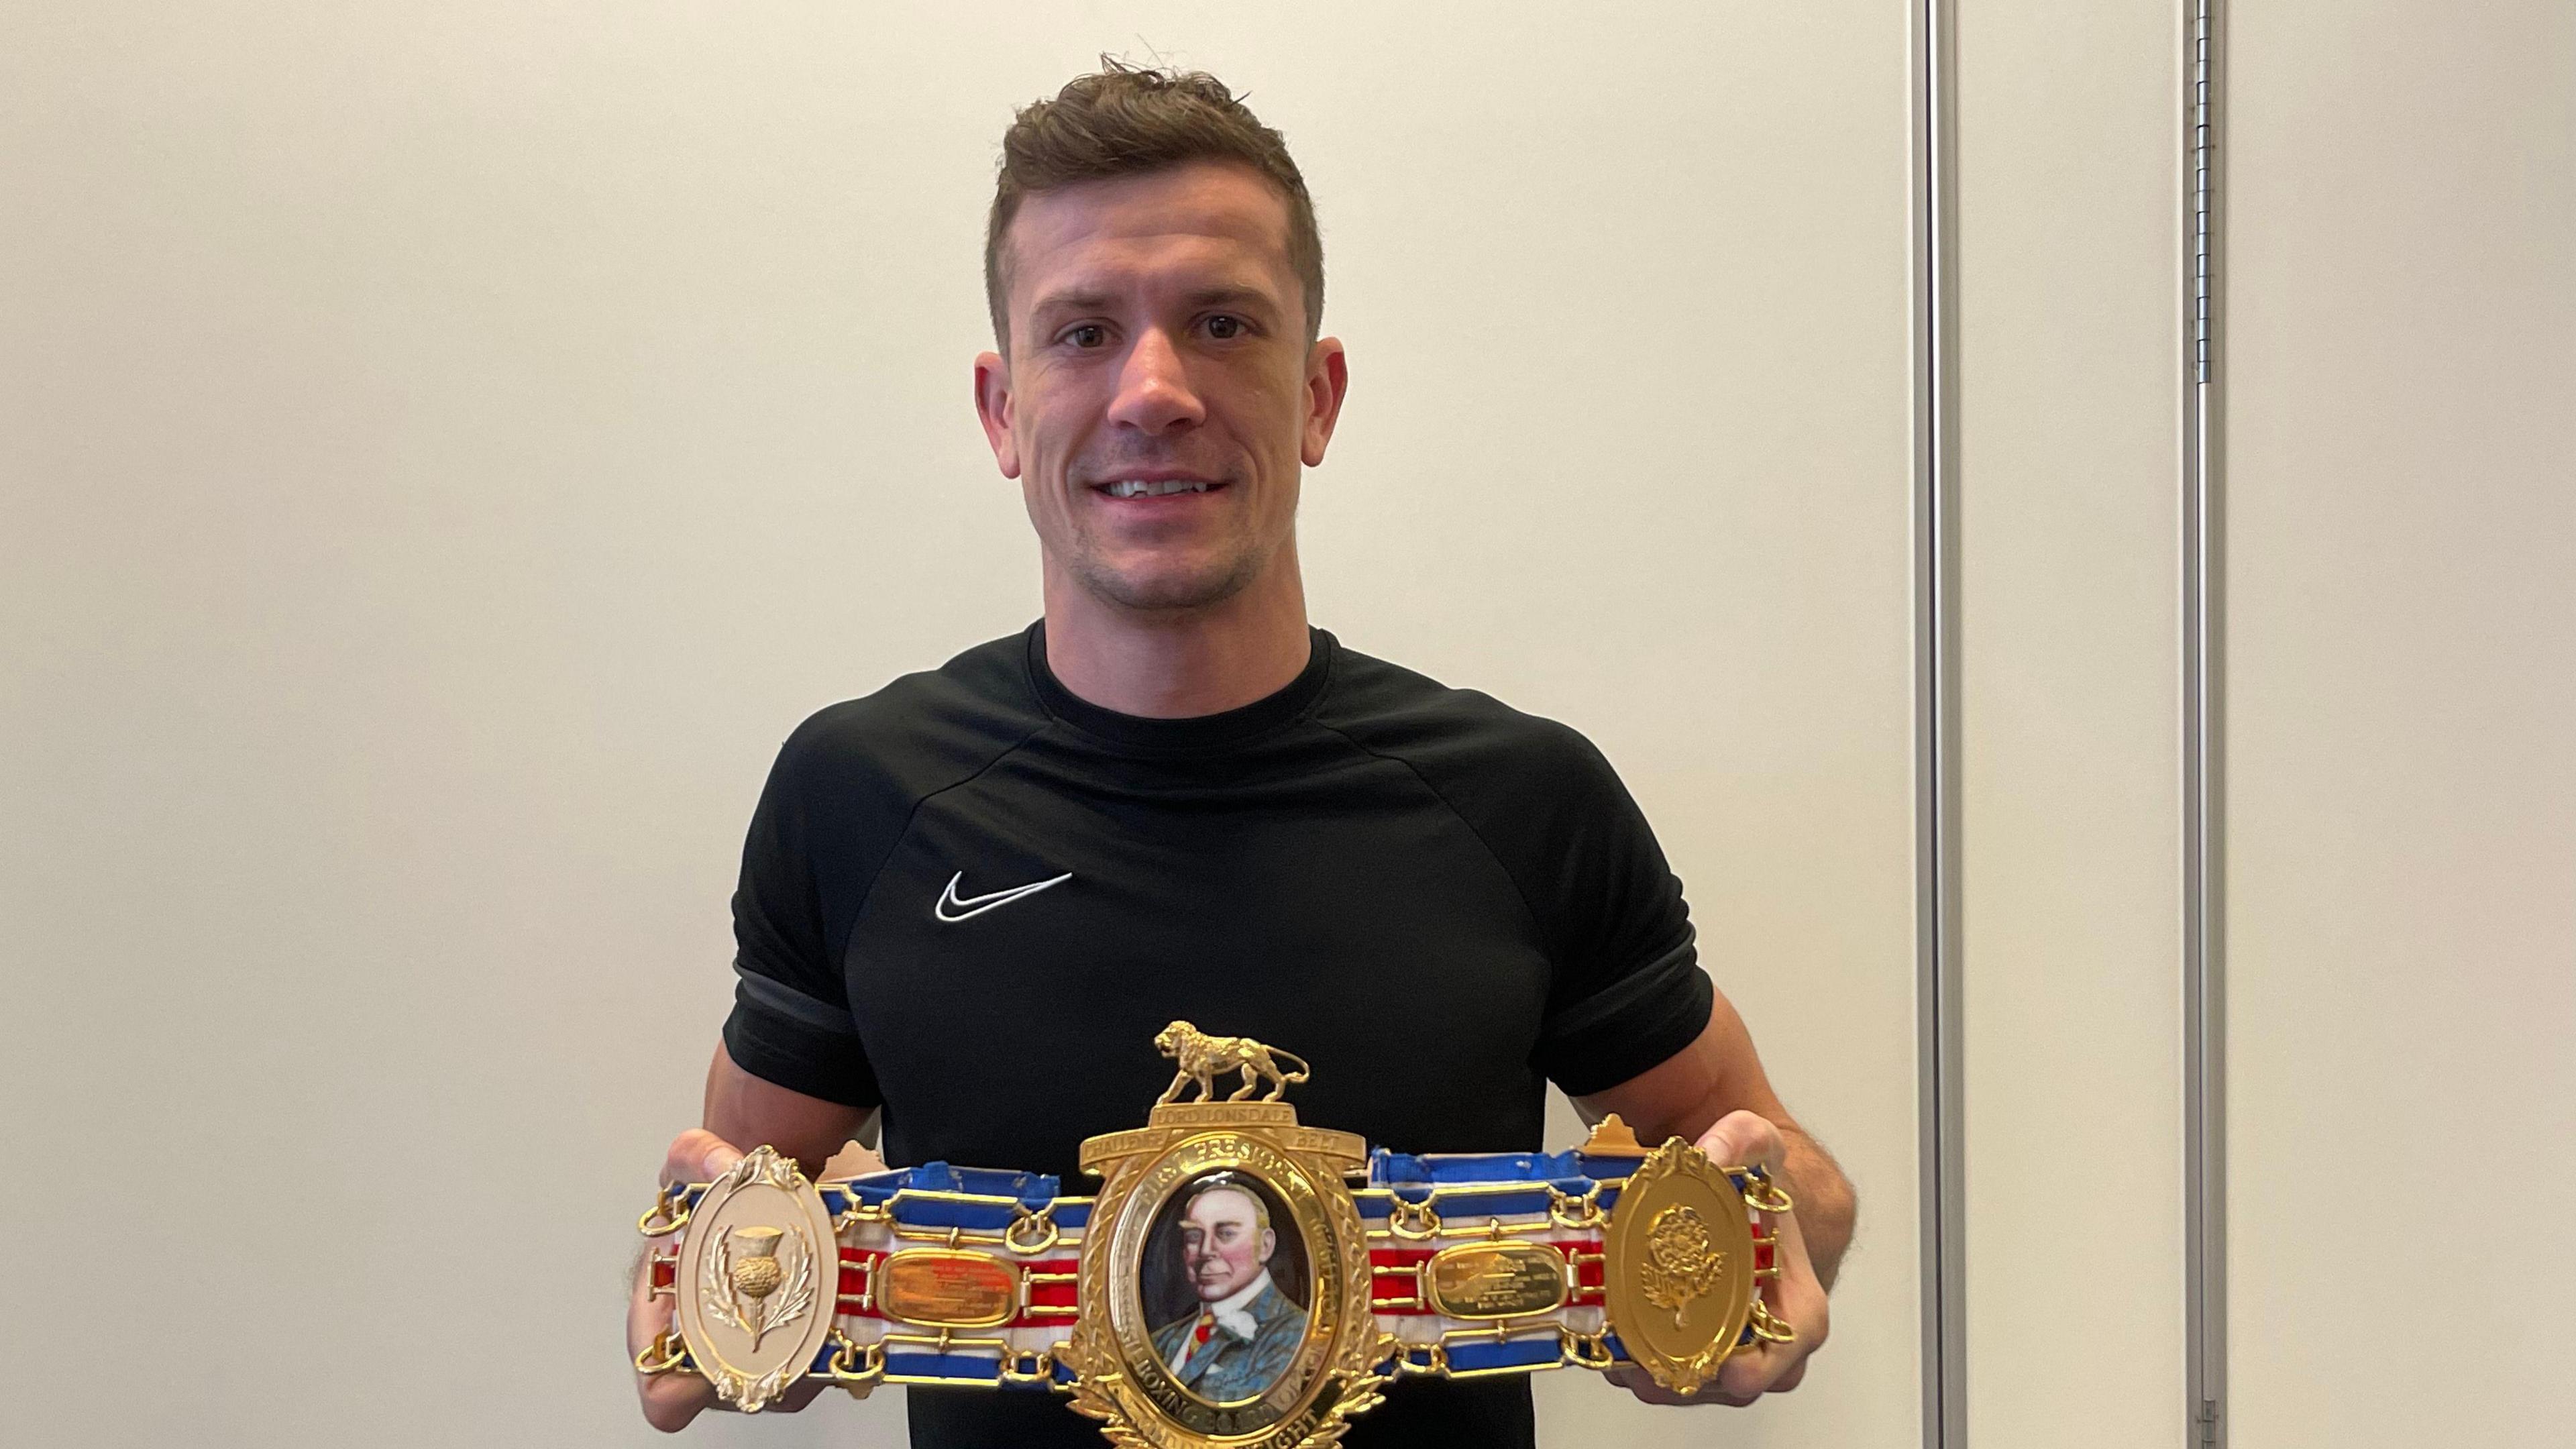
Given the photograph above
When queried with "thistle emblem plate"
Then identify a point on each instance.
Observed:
(754, 1293)
(1686, 1241)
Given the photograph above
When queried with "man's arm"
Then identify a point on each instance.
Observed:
(740, 1108)
(1714, 1092)
(743, 1110)
(1718, 1074)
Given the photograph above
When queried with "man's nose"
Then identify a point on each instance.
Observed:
(1154, 392)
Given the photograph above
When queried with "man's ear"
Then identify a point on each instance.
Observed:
(993, 410)
(1328, 377)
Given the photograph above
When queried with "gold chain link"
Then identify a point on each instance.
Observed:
(1041, 1369)
(1765, 1195)
(1770, 1327)
(665, 1353)
(668, 1214)
(1413, 1221)
(1439, 1363)
(1585, 1350)
(854, 1366)
(1044, 1218)
(1589, 1214)
(1424, 1220)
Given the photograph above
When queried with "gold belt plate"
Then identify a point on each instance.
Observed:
(1679, 1266)
(1495, 1280)
(945, 1288)
(756, 1281)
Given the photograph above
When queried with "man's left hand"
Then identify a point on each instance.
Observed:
(1745, 1139)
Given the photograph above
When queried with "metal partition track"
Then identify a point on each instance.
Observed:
(2204, 1035)
(1936, 718)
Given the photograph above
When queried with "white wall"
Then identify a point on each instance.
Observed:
(443, 449)
(2400, 368)
(2069, 375)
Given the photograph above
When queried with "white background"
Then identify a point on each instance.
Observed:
(444, 450)
(2402, 732)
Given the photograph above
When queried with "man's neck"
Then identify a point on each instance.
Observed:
(1181, 664)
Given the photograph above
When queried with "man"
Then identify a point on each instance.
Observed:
(1245, 1331)
(969, 900)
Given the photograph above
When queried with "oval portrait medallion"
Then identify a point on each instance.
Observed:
(1235, 1278)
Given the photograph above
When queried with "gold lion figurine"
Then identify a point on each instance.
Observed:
(1205, 1058)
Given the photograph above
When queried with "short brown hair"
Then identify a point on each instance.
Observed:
(1125, 120)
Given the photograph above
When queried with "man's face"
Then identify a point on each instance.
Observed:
(1158, 338)
(1223, 1243)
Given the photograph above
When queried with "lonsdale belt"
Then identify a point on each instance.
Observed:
(1229, 1284)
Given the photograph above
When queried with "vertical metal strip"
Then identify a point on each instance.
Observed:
(1936, 716)
(2204, 1066)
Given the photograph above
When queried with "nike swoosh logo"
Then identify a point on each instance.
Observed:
(953, 907)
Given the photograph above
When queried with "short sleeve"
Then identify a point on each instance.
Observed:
(1628, 993)
(791, 1022)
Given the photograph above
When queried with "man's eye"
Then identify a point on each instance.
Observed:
(1222, 327)
(1087, 335)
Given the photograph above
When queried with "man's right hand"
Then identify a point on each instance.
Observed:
(742, 1106)
(671, 1400)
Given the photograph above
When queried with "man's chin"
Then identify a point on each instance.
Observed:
(1166, 590)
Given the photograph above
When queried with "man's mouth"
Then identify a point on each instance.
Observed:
(1154, 487)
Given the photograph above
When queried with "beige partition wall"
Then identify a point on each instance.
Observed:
(2069, 341)
(2399, 370)
(443, 450)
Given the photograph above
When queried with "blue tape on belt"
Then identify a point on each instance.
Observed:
(1388, 1169)
(1378, 1203)
(1026, 1193)
(1604, 1169)
(1467, 1357)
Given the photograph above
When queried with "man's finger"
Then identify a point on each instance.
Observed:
(672, 1400)
(1745, 1375)
(1743, 1139)
(698, 1155)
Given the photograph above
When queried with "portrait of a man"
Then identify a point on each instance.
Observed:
(1244, 1330)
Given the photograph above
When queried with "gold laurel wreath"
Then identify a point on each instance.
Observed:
(716, 1290)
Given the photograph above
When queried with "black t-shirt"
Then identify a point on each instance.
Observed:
(972, 898)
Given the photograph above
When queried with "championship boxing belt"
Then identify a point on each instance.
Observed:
(1457, 1265)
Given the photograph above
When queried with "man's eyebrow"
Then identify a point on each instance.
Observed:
(1230, 297)
(1220, 296)
(1071, 302)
